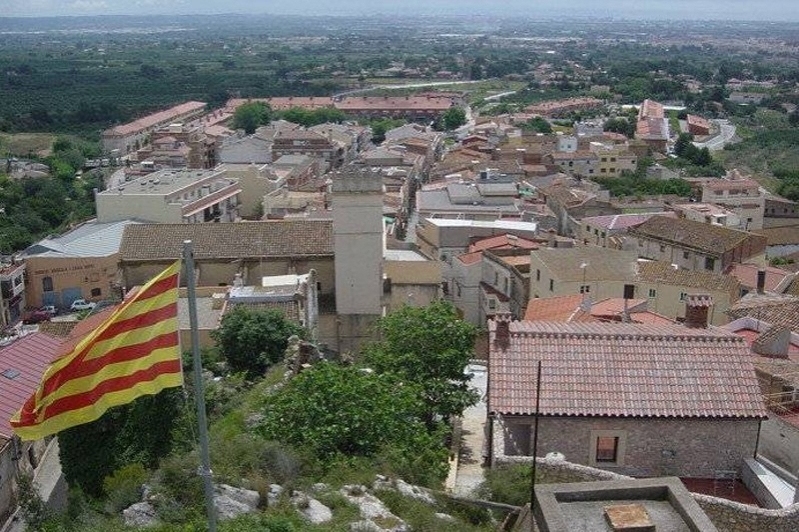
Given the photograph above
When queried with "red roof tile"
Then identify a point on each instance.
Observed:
(625, 370)
(502, 242)
(29, 356)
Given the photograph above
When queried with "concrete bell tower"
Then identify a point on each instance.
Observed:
(358, 236)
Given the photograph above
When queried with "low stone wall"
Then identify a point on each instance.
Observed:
(728, 516)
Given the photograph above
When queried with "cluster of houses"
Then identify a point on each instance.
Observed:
(668, 344)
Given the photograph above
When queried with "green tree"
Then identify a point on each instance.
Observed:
(380, 126)
(620, 125)
(453, 118)
(538, 124)
(429, 346)
(250, 115)
(338, 412)
(138, 432)
(251, 340)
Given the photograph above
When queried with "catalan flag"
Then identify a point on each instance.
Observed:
(134, 352)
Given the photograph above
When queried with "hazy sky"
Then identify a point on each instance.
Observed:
(777, 10)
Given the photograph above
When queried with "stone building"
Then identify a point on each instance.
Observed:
(640, 400)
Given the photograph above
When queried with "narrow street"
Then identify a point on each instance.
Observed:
(469, 472)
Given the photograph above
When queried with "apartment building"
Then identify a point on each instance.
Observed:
(166, 196)
(131, 136)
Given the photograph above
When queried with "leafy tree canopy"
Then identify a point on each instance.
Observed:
(452, 119)
(621, 125)
(308, 118)
(538, 124)
(338, 412)
(429, 346)
(251, 340)
(250, 115)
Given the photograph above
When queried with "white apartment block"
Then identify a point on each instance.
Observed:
(172, 196)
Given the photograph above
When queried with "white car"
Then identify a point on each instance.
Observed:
(82, 304)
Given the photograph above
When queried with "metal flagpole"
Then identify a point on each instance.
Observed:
(535, 447)
(199, 391)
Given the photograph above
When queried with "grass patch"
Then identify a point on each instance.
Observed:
(23, 144)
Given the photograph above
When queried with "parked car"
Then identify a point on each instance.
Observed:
(35, 316)
(82, 304)
(50, 309)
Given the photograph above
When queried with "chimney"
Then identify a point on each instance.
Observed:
(501, 338)
(761, 281)
(697, 308)
(773, 343)
(551, 239)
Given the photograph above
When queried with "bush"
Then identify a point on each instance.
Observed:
(179, 489)
(508, 483)
(124, 487)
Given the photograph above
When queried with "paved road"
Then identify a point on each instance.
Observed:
(408, 86)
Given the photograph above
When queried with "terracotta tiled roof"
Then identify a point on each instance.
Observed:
(601, 264)
(776, 310)
(58, 329)
(470, 258)
(502, 242)
(615, 222)
(22, 364)
(278, 238)
(707, 238)
(776, 236)
(663, 272)
(561, 308)
(154, 119)
(747, 275)
(623, 370)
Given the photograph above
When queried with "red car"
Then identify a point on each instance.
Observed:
(35, 316)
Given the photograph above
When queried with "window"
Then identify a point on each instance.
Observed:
(607, 448)
(686, 254)
(662, 248)
(683, 295)
(96, 292)
(603, 170)
(47, 284)
(496, 278)
(492, 303)
(710, 263)
(505, 285)
(538, 275)
(653, 292)
(613, 159)
(551, 285)
(584, 289)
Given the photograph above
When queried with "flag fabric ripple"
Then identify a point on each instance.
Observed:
(135, 352)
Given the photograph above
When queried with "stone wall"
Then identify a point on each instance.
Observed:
(683, 447)
(779, 442)
(731, 516)
(728, 516)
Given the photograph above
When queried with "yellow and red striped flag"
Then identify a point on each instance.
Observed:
(134, 352)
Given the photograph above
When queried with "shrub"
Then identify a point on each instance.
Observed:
(124, 487)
